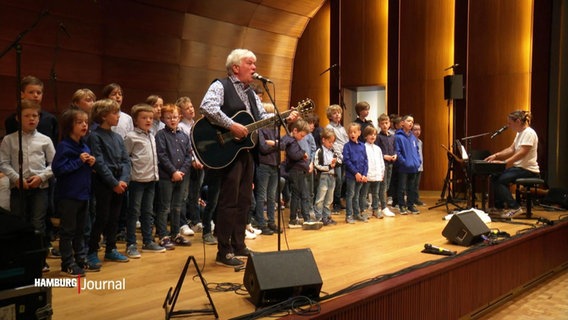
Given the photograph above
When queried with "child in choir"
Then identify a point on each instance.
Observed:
(141, 147)
(334, 113)
(416, 130)
(174, 160)
(324, 161)
(110, 180)
(38, 155)
(297, 167)
(375, 174)
(408, 160)
(385, 141)
(362, 109)
(157, 103)
(72, 166)
(114, 92)
(356, 167)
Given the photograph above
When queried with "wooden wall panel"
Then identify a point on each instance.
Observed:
(313, 57)
(426, 49)
(498, 67)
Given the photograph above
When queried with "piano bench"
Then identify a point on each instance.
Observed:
(528, 184)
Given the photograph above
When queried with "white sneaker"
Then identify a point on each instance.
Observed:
(212, 226)
(197, 228)
(186, 230)
(249, 235)
(253, 230)
(387, 212)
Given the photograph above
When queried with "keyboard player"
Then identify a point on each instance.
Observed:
(520, 159)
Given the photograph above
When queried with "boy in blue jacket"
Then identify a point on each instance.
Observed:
(356, 167)
(408, 159)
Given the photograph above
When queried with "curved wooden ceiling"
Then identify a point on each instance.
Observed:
(270, 28)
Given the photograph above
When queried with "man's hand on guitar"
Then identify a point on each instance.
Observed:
(239, 131)
(294, 115)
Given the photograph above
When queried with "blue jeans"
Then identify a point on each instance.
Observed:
(324, 196)
(299, 194)
(213, 186)
(384, 186)
(339, 177)
(140, 205)
(373, 188)
(352, 198)
(407, 186)
(171, 199)
(265, 191)
(500, 185)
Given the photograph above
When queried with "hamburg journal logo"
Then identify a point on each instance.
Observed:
(81, 283)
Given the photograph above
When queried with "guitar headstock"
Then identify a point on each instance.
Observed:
(305, 106)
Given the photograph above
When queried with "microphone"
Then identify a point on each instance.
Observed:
(498, 132)
(261, 78)
(428, 248)
(452, 66)
(331, 67)
(62, 27)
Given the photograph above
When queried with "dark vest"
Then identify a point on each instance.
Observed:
(232, 103)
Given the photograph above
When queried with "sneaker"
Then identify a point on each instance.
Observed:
(250, 228)
(403, 210)
(115, 256)
(167, 243)
(54, 253)
(73, 271)
(153, 247)
(363, 217)
(179, 240)
(138, 224)
(93, 259)
(209, 238)
(229, 260)
(274, 227)
(249, 235)
(87, 267)
(294, 224)
(413, 209)
(132, 252)
(186, 230)
(387, 212)
(45, 267)
(378, 214)
(244, 253)
(419, 203)
(267, 231)
(328, 222)
(198, 227)
(312, 225)
(349, 220)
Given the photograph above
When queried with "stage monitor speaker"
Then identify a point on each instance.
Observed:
(453, 87)
(272, 277)
(465, 229)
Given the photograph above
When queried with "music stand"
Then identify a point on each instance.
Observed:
(446, 199)
(466, 152)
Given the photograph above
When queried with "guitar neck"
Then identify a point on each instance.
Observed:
(266, 122)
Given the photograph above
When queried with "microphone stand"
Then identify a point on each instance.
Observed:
(277, 124)
(471, 187)
(53, 74)
(16, 45)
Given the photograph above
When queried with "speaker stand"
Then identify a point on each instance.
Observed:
(171, 298)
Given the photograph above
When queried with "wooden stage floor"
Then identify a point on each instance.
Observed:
(344, 254)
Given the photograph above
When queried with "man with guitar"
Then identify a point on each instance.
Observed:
(223, 100)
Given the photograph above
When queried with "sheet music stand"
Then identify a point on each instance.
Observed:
(171, 298)
(446, 199)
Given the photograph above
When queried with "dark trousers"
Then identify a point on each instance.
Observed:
(107, 210)
(234, 203)
(73, 215)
